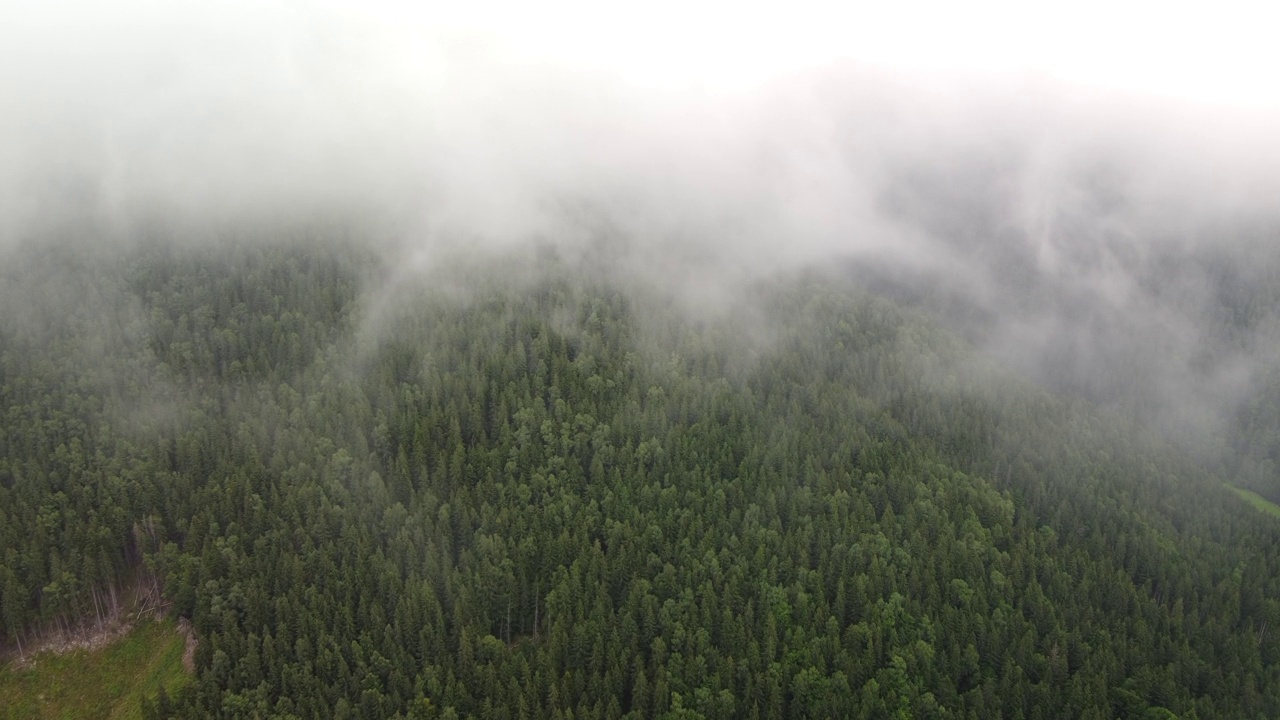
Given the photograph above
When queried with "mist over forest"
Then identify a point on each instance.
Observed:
(1106, 242)
(428, 377)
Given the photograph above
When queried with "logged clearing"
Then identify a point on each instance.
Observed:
(1258, 501)
(105, 682)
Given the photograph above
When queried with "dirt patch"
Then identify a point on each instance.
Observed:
(90, 637)
(189, 653)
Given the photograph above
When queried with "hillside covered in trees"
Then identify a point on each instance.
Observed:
(525, 487)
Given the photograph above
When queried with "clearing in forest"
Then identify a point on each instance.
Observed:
(105, 682)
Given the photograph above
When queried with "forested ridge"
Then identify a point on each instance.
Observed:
(564, 496)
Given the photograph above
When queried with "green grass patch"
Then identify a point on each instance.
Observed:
(108, 682)
(1258, 501)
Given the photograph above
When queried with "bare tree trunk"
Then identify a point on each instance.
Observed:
(97, 608)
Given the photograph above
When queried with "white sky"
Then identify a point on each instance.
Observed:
(227, 104)
(1220, 52)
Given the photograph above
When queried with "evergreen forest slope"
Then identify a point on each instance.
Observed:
(549, 493)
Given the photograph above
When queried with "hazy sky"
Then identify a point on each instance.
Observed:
(1219, 52)
(743, 121)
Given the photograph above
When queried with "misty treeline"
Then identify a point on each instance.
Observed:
(515, 489)
(1167, 311)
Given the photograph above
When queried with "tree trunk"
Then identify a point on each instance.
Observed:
(97, 608)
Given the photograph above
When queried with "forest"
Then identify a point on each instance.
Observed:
(517, 486)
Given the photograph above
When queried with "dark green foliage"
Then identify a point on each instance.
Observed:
(559, 500)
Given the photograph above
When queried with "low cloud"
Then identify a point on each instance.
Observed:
(1084, 235)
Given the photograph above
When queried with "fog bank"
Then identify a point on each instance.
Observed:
(1091, 237)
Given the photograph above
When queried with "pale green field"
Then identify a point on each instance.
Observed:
(108, 682)
(1258, 501)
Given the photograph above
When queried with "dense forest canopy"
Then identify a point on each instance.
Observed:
(426, 376)
(560, 496)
